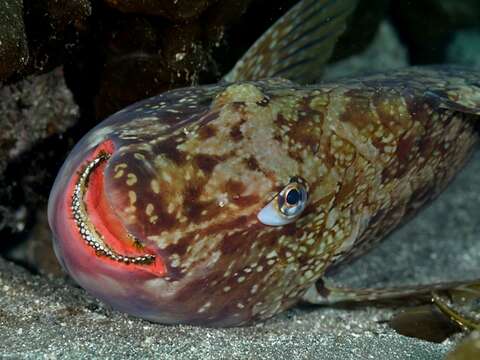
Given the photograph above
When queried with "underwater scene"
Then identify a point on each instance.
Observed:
(216, 179)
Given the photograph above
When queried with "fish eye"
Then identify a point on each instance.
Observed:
(287, 205)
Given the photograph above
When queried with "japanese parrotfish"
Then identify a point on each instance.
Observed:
(220, 205)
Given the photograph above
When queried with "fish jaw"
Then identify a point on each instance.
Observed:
(116, 279)
(142, 288)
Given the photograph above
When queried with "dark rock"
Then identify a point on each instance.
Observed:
(54, 29)
(424, 322)
(39, 254)
(33, 110)
(361, 30)
(427, 26)
(468, 349)
(135, 56)
(13, 41)
(386, 52)
(37, 36)
(464, 48)
(143, 58)
(174, 10)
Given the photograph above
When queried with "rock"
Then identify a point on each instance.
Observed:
(427, 26)
(54, 32)
(13, 40)
(138, 56)
(160, 59)
(37, 36)
(386, 52)
(468, 349)
(362, 28)
(35, 252)
(133, 49)
(33, 110)
(464, 48)
(174, 10)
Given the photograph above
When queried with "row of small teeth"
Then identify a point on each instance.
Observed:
(92, 238)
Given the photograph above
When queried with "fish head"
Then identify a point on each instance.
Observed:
(191, 207)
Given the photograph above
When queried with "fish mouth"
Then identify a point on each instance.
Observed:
(96, 222)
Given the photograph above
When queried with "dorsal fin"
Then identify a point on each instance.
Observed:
(298, 45)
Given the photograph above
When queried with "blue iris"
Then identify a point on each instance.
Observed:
(293, 197)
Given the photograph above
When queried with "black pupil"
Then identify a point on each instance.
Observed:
(293, 197)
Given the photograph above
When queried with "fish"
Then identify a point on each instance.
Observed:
(221, 205)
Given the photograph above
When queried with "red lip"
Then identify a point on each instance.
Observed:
(92, 217)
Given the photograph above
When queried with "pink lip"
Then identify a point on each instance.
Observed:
(104, 223)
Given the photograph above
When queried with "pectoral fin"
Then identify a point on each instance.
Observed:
(459, 301)
(323, 292)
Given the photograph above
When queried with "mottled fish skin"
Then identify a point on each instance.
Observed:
(192, 168)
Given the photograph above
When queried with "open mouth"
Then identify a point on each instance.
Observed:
(96, 222)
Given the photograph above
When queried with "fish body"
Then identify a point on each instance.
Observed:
(156, 210)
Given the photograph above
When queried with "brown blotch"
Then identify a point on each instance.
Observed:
(234, 188)
(207, 162)
(305, 131)
(192, 192)
(252, 163)
(233, 243)
(194, 209)
(404, 148)
(357, 110)
(207, 131)
(236, 132)
(289, 229)
(239, 105)
(165, 220)
(168, 147)
(346, 190)
(245, 201)
(181, 247)
(237, 223)
(296, 156)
